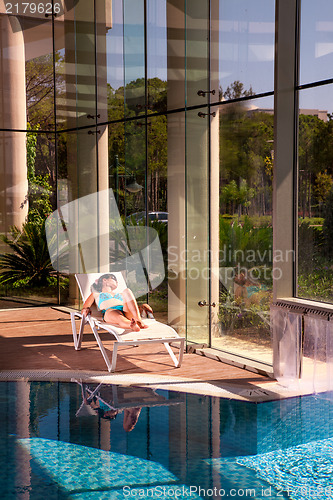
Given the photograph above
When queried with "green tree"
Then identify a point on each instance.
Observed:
(309, 127)
(235, 90)
(44, 74)
(39, 189)
(328, 225)
(323, 146)
(323, 186)
(245, 144)
(237, 197)
(157, 163)
(229, 196)
(40, 88)
(245, 195)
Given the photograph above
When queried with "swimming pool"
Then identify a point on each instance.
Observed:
(90, 441)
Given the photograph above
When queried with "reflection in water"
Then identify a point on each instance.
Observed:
(107, 401)
(56, 443)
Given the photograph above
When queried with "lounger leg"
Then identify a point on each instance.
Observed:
(100, 345)
(176, 361)
(77, 337)
(80, 336)
(114, 357)
(74, 330)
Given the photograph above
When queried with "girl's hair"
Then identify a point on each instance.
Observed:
(98, 285)
(101, 414)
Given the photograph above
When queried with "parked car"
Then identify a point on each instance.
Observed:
(161, 216)
(140, 216)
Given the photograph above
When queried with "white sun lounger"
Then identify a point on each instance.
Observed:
(122, 397)
(156, 333)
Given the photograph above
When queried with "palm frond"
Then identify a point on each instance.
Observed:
(28, 263)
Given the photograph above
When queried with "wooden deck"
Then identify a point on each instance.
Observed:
(40, 338)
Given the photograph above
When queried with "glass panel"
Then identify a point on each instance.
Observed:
(316, 47)
(117, 159)
(157, 167)
(315, 199)
(176, 54)
(157, 55)
(134, 57)
(103, 26)
(246, 47)
(75, 66)
(131, 201)
(133, 171)
(157, 205)
(197, 171)
(245, 227)
(176, 198)
(197, 15)
(27, 198)
(115, 63)
(28, 179)
(197, 219)
(78, 177)
(39, 72)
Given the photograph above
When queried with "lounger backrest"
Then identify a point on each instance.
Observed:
(86, 280)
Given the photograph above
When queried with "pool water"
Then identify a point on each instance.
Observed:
(91, 441)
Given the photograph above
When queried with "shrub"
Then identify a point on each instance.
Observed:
(317, 284)
(28, 264)
(245, 244)
(328, 225)
(310, 244)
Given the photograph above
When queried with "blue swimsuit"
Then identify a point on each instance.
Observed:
(107, 296)
(255, 289)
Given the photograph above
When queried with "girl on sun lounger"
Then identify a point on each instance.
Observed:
(107, 412)
(249, 292)
(118, 308)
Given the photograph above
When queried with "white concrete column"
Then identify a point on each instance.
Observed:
(285, 106)
(13, 162)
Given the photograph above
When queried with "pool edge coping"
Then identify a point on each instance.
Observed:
(255, 393)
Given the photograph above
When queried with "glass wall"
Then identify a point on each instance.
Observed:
(28, 157)
(315, 153)
(132, 97)
(169, 105)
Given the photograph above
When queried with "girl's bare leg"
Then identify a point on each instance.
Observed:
(131, 416)
(131, 308)
(117, 318)
(146, 311)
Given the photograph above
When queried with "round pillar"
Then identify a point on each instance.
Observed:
(13, 162)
